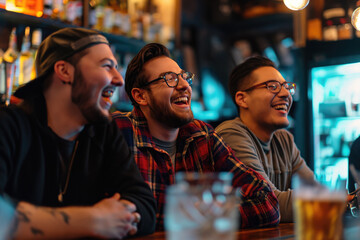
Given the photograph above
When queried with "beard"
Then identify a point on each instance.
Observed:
(165, 115)
(83, 96)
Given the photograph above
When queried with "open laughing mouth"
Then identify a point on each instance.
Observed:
(281, 107)
(108, 92)
(181, 101)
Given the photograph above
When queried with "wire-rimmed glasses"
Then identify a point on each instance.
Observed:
(275, 86)
(172, 79)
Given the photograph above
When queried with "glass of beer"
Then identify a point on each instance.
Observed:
(202, 206)
(319, 207)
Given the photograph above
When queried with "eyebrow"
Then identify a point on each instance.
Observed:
(163, 73)
(112, 62)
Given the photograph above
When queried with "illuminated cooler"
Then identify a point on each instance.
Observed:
(335, 93)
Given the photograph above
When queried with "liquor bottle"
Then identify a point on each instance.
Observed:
(48, 8)
(2, 4)
(11, 66)
(99, 14)
(125, 26)
(137, 22)
(35, 43)
(2, 79)
(25, 59)
(11, 53)
(58, 11)
(336, 22)
(73, 12)
(30, 7)
(109, 16)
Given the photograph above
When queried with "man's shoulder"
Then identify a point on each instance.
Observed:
(230, 124)
(12, 113)
(284, 134)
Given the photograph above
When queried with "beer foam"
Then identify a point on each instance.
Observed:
(321, 194)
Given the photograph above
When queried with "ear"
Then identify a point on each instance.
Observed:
(139, 96)
(240, 99)
(64, 71)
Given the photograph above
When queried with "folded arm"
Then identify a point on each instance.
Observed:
(109, 218)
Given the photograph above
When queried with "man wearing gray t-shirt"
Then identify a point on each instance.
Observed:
(264, 99)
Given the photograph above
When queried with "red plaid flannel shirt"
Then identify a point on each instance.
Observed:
(199, 149)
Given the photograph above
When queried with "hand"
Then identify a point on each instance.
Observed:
(136, 215)
(115, 218)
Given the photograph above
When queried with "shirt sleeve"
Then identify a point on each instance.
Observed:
(259, 206)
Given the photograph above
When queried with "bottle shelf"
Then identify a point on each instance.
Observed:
(8, 18)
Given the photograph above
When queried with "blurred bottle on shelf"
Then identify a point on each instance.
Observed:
(11, 52)
(99, 7)
(2, 4)
(48, 8)
(73, 12)
(35, 43)
(109, 15)
(121, 20)
(25, 60)
(10, 59)
(314, 25)
(2, 78)
(29, 7)
(336, 21)
(137, 22)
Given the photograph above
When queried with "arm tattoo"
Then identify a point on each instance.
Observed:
(36, 231)
(65, 217)
(55, 212)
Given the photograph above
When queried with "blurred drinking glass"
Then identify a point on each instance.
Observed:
(319, 208)
(202, 206)
(7, 214)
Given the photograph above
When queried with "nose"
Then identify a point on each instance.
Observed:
(284, 92)
(117, 79)
(183, 84)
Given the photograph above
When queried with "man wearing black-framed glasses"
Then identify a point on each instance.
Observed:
(165, 138)
(264, 99)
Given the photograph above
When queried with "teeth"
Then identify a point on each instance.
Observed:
(181, 99)
(108, 93)
(281, 107)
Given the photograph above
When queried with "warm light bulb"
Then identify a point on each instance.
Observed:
(355, 20)
(296, 4)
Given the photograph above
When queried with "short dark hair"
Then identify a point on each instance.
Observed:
(135, 76)
(239, 77)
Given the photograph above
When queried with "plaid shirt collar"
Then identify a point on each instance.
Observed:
(143, 137)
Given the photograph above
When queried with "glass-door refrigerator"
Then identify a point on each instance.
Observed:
(336, 116)
(327, 118)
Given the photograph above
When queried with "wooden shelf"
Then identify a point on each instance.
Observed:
(8, 18)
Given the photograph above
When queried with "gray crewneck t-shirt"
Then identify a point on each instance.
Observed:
(277, 161)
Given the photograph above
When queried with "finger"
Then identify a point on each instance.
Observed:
(116, 196)
(129, 205)
(137, 217)
(133, 230)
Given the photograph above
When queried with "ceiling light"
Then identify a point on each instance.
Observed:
(296, 4)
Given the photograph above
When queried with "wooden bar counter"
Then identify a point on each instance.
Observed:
(282, 231)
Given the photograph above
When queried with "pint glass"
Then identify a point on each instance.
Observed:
(319, 210)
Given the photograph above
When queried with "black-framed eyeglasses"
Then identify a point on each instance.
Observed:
(275, 86)
(172, 79)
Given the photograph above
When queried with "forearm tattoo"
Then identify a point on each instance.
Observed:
(23, 216)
